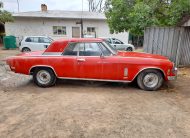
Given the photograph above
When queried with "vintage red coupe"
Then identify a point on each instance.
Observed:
(93, 59)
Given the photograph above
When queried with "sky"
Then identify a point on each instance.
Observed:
(35, 5)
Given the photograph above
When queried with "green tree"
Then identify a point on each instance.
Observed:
(5, 16)
(135, 15)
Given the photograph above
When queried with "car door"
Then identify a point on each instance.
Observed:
(89, 61)
(118, 44)
(44, 42)
(67, 63)
(34, 44)
(111, 69)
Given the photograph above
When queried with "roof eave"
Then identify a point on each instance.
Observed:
(58, 17)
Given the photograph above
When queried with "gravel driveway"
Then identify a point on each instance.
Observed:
(77, 109)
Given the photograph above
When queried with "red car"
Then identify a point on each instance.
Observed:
(93, 59)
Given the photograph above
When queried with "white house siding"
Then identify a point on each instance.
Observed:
(24, 26)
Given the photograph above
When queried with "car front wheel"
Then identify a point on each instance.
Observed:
(44, 77)
(150, 80)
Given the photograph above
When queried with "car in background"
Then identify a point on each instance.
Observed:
(34, 43)
(119, 45)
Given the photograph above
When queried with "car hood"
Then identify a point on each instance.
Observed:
(140, 55)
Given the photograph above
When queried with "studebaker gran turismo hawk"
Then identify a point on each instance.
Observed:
(93, 59)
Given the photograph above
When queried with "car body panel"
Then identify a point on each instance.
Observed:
(124, 66)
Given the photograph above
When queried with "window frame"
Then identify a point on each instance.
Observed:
(112, 53)
(32, 40)
(91, 28)
(44, 38)
(63, 34)
(118, 41)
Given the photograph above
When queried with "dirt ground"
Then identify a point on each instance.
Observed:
(77, 109)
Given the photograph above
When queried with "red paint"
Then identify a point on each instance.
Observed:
(108, 68)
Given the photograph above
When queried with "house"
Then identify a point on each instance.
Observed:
(61, 24)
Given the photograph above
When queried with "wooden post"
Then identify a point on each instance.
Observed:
(179, 46)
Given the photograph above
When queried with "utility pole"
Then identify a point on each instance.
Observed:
(18, 5)
(82, 35)
(81, 22)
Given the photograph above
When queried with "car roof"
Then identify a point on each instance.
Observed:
(36, 36)
(60, 44)
(80, 40)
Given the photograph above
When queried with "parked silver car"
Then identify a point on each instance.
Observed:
(119, 45)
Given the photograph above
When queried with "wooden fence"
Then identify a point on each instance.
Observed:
(173, 43)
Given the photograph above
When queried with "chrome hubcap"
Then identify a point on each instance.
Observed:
(43, 77)
(151, 80)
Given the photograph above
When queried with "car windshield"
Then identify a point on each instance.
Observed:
(113, 50)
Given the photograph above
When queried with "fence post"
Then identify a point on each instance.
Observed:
(179, 46)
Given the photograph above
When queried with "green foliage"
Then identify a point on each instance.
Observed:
(5, 16)
(135, 15)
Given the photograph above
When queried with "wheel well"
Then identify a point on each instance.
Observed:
(25, 47)
(40, 67)
(129, 47)
(161, 71)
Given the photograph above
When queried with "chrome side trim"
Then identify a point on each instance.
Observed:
(52, 53)
(43, 66)
(148, 68)
(108, 80)
(94, 79)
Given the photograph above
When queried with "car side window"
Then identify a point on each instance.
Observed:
(108, 40)
(106, 51)
(44, 40)
(28, 39)
(35, 40)
(117, 41)
(90, 49)
(71, 50)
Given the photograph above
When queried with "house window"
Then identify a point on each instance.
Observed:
(59, 30)
(91, 31)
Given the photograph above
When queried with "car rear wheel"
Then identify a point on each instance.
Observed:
(44, 77)
(25, 49)
(150, 80)
(129, 49)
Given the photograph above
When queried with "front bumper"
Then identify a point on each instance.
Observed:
(174, 77)
(170, 78)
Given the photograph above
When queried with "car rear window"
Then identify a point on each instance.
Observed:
(32, 39)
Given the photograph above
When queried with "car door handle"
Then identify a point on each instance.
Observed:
(80, 59)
